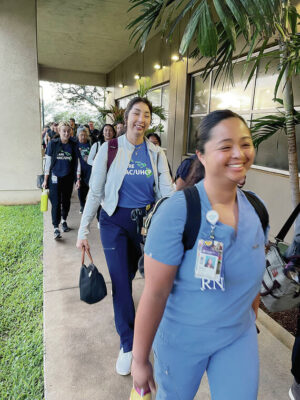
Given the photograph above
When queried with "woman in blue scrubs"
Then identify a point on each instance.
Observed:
(203, 319)
(137, 177)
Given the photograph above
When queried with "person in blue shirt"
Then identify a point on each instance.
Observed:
(136, 178)
(203, 319)
(60, 173)
(84, 147)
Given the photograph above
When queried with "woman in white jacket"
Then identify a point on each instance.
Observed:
(137, 176)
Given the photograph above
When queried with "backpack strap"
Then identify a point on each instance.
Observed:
(193, 217)
(286, 227)
(56, 143)
(112, 151)
(259, 208)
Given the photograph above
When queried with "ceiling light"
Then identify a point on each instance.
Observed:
(121, 85)
(137, 76)
(175, 57)
(157, 66)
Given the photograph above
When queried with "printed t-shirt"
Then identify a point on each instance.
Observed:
(137, 186)
(62, 166)
(84, 151)
(209, 318)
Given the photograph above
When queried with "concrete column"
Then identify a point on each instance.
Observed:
(20, 132)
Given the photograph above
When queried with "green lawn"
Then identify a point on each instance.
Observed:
(21, 303)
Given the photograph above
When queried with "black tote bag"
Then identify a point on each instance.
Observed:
(92, 286)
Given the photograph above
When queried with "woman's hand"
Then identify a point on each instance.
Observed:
(83, 243)
(77, 184)
(142, 374)
(45, 184)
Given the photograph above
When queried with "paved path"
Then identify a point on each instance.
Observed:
(81, 345)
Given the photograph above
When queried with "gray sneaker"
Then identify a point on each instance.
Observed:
(294, 391)
(57, 234)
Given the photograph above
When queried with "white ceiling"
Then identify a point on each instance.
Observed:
(83, 35)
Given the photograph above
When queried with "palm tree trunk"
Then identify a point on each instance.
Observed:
(288, 102)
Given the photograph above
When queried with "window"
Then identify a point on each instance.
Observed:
(252, 102)
(122, 103)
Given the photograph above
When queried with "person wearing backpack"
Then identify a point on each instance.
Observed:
(84, 147)
(60, 174)
(107, 133)
(129, 174)
(197, 318)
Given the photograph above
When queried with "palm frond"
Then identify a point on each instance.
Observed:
(159, 111)
(268, 125)
(145, 84)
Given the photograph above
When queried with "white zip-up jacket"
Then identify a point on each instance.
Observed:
(104, 187)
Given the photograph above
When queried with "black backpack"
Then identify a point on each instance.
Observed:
(193, 218)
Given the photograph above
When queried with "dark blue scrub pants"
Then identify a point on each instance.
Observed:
(82, 193)
(60, 196)
(121, 245)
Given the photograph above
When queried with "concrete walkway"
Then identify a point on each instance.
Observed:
(81, 345)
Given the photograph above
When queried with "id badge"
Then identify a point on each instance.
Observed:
(209, 263)
(53, 178)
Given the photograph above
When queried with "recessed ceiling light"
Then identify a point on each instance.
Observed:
(175, 57)
(157, 66)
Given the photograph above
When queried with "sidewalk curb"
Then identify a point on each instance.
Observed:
(277, 330)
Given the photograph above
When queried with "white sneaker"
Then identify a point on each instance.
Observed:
(123, 364)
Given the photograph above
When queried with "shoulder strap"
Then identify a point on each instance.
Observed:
(97, 148)
(56, 149)
(193, 218)
(286, 227)
(259, 208)
(112, 151)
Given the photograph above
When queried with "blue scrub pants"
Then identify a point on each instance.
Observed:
(232, 371)
(60, 196)
(121, 245)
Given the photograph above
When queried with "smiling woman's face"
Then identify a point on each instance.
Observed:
(229, 153)
(139, 119)
(108, 133)
(64, 133)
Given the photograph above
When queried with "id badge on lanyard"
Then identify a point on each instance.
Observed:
(209, 267)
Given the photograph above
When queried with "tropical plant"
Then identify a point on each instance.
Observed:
(213, 30)
(115, 113)
(144, 86)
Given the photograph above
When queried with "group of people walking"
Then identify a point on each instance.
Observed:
(199, 304)
(69, 160)
(195, 320)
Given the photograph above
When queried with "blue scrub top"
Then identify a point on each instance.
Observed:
(214, 317)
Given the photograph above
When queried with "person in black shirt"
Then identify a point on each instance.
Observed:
(60, 173)
(94, 133)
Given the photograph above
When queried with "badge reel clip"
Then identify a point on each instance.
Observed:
(212, 217)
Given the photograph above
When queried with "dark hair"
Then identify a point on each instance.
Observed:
(209, 122)
(133, 102)
(101, 134)
(72, 119)
(196, 173)
(156, 136)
